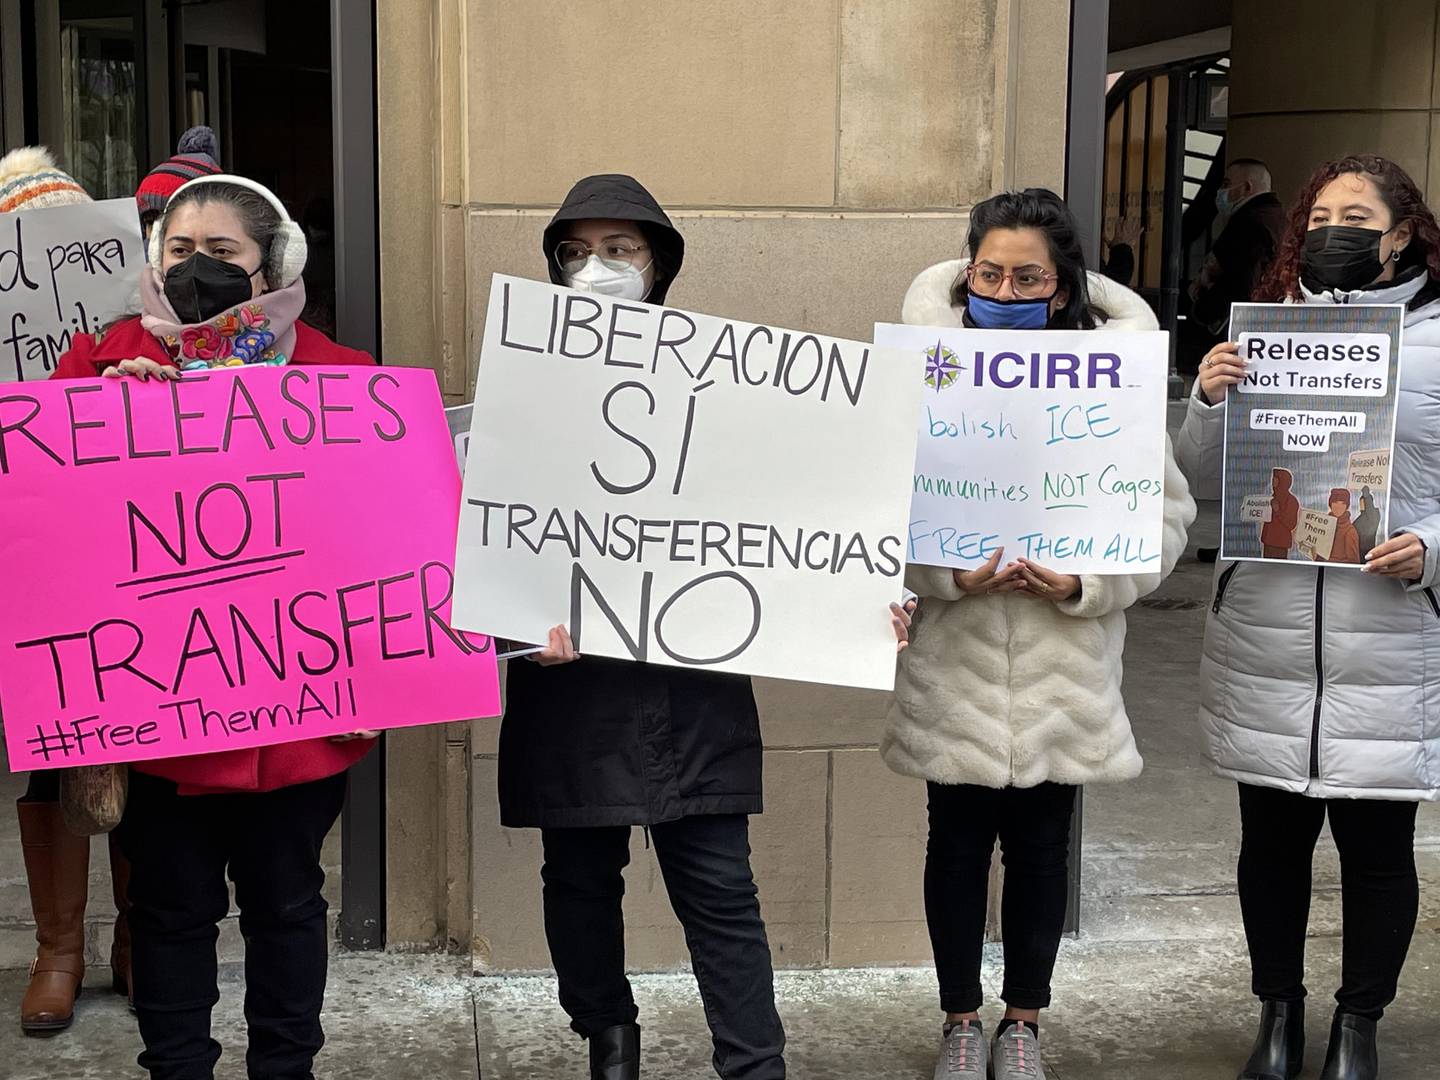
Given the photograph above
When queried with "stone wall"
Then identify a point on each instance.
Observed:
(816, 155)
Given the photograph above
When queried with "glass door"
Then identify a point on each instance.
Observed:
(102, 107)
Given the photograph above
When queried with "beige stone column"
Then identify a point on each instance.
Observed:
(1312, 80)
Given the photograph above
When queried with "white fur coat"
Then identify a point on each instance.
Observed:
(1009, 690)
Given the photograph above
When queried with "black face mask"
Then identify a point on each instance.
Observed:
(1341, 257)
(202, 287)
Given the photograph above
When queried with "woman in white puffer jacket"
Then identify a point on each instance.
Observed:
(1320, 690)
(1008, 698)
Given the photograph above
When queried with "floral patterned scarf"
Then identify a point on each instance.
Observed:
(259, 331)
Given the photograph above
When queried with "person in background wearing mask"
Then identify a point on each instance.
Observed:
(1242, 253)
(1244, 249)
(223, 289)
(590, 748)
(1008, 698)
(1318, 686)
(57, 862)
(197, 154)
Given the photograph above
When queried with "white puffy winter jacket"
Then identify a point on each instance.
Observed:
(1007, 690)
(1321, 681)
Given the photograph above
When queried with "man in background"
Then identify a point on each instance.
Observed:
(1248, 241)
(1242, 253)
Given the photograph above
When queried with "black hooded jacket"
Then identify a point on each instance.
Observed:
(620, 198)
(609, 742)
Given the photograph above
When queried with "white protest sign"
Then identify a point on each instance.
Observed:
(64, 270)
(1049, 444)
(686, 489)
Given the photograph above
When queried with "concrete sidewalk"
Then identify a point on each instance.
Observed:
(1156, 987)
(1151, 1010)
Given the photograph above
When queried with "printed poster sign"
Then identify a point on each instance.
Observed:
(1048, 444)
(684, 489)
(228, 561)
(64, 270)
(1309, 432)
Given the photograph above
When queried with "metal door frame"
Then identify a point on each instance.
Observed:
(1084, 190)
(357, 324)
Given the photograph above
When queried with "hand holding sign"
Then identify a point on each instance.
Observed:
(560, 650)
(1046, 584)
(1400, 557)
(1221, 369)
(142, 369)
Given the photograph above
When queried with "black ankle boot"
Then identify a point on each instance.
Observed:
(1352, 1054)
(615, 1053)
(1279, 1052)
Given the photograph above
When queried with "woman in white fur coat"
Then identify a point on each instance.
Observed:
(1008, 698)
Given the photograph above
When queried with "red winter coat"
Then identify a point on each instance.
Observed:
(269, 767)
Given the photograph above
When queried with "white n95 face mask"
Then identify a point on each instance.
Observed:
(596, 277)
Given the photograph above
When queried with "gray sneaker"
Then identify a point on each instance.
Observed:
(964, 1055)
(1017, 1054)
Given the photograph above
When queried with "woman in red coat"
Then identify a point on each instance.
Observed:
(223, 289)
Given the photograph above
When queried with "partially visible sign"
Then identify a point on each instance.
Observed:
(458, 417)
(64, 270)
(229, 561)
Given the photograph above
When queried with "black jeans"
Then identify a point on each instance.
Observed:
(705, 861)
(1033, 826)
(42, 786)
(179, 849)
(1380, 893)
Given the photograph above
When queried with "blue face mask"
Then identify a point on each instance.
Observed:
(990, 314)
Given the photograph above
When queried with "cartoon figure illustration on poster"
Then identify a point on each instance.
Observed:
(1367, 522)
(1297, 485)
(1277, 536)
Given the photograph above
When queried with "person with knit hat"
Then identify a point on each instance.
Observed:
(197, 154)
(1346, 547)
(223, 289)
(30, 180)
(57, 862)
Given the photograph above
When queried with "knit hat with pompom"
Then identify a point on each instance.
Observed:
(30, 180)
(197, 154)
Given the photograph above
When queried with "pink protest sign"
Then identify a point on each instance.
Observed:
(228, 561)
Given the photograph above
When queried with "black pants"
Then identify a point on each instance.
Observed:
(1380, 893)
(42, 786)
(705, 862)
(179, 849)
(1033, 826)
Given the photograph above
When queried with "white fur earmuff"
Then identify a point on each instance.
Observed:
(288, 252)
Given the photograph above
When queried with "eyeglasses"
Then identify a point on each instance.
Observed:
(1029, 282)
(617, 254)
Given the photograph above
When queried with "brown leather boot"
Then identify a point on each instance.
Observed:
(57, 862)
(120, 947)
